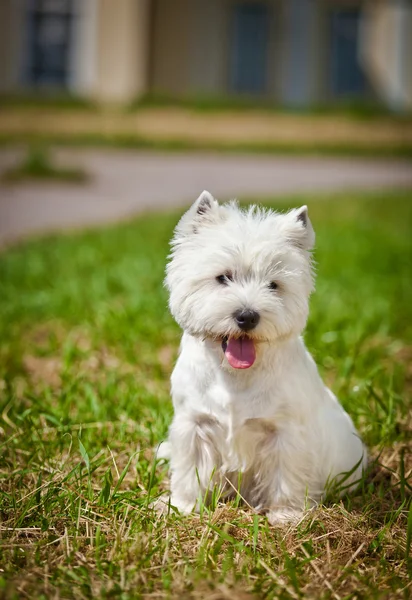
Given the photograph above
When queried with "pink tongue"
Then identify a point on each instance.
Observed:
(240, 353)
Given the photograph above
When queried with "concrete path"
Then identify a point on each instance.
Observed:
(125, 183)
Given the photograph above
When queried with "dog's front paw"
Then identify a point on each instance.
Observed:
(184, 505)
(284, 516)
(163, 450)
(161, 505)
(165, 504)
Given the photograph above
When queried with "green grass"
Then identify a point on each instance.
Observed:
(136, 141)
(61, 101)
(86, 350)
(354, 108)
(38, 164)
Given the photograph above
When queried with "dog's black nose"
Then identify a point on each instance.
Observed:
(246, 319)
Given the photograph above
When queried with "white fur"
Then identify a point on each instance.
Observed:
(273, 430)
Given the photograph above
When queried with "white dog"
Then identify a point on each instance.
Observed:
(252, 414)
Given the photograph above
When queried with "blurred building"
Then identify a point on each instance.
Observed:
(296, 52)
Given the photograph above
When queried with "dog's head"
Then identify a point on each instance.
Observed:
(240, 276)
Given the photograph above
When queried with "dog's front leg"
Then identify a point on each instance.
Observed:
(287, 501)
(196, 458)
(292, 484)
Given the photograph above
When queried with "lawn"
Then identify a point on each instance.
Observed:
(86, 350)
(224, 126)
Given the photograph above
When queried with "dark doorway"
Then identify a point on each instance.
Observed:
(346, 75)
(249, 48)
(50, 31)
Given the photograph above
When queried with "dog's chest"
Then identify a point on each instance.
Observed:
(237, 397)
(247, 418)
(247, 442)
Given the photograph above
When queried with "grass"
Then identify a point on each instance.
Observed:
(354, 108)
(212, 124)
(57, 100)
(136, 141)
(37, 164)
(86, 350)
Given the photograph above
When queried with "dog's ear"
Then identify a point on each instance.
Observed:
(301, 231)
(204, 210)
(205, 205)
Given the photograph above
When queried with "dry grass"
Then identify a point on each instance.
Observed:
(179, 127)
(94, 542)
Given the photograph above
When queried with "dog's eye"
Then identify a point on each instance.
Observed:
(224, 278)
(273, 285)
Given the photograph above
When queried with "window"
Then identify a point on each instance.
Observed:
(346, 75)
(50, 29)
(249, 48)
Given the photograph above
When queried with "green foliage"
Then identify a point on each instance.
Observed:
(62, 101)
(86, 350)
(38, 164)
(138, 141)
(356, 109)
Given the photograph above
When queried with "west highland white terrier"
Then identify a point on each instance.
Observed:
(251, 413)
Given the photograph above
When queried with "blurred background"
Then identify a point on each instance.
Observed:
(292, 52)
(326, 78)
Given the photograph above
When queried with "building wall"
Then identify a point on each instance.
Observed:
(15, 49)
(191, 48)
(83, 52)
(408, 59)
(323, 88)
(211, 41)
(208, 42)
(275, 10)
(300, 49)
(122, 48)
(386, 50)
(12, 44)
(6, 19)
(109, 49)
(170, 46)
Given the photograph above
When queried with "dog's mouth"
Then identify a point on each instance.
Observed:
(240, 352)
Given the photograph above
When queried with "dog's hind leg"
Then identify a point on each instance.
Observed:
(196, 441)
